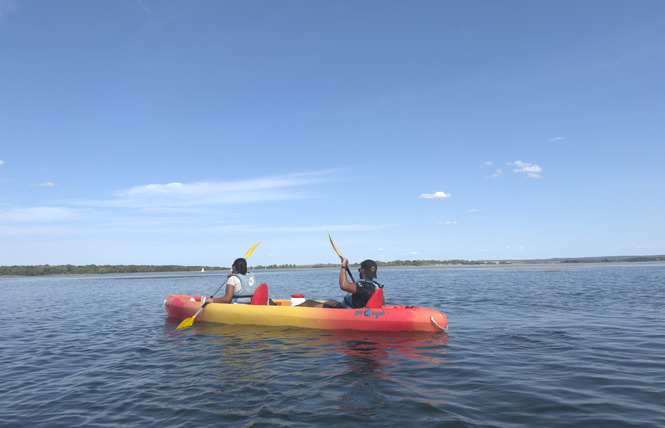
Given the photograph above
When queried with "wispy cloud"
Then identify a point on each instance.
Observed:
(207, 193)
(528, 169)
(497, 173)
(557, 139)
(435, 195)
(2, 162)
(39, 214)
(158, 209)
(144, 6)
(448, 222)
(47, 184)
(7, 6)
(474, 210)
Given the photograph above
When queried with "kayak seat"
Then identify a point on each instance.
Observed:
(376, 301)
(260, 296)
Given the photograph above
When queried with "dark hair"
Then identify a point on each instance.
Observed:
(241, 266)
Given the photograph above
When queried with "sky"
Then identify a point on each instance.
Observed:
(173, 132)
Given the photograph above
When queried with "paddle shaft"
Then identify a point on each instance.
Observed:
(200, 309)
(350, 274)
(220, 287)
(341, 258)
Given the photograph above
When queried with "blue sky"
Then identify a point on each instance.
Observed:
(172, 132)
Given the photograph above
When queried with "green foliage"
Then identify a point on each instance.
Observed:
(40, 270)
(96, 269)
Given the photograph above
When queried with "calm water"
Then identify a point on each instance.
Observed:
(550, 346)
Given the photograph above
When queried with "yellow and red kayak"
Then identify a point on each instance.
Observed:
(282, 314)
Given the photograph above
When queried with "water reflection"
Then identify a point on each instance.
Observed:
(378, 349)
(361, 372)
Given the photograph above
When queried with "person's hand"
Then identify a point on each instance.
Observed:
(345, 262)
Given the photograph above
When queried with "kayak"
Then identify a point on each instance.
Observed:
(282, 314)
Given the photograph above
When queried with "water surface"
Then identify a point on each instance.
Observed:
(526, 346)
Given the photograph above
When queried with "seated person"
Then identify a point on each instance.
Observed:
(240, 286)
(358, 293)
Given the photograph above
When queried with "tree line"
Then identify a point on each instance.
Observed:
(39, 270)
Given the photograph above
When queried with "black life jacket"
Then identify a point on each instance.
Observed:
(364, 290)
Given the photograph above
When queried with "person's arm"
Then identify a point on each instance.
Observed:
(231, 285)
(344, 284)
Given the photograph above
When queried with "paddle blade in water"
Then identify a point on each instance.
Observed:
(187, 322)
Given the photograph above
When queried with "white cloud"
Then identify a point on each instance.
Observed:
(557, 139)
(489, 163)
(448, 222)
(436, 195)
(528, 169)
(47, 184)
(474, 210)
(2, 162)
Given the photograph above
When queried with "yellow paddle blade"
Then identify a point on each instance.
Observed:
(336, 250)
(251, 250)
(187, 322)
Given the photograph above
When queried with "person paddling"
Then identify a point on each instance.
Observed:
(358, 293)
(240, 286)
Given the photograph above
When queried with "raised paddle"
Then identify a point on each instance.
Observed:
(341, 258)
(187, 322)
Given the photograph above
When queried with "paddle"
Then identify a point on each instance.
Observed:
(187, 322)
(341, 258)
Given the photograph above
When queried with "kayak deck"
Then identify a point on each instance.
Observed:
(384, 318)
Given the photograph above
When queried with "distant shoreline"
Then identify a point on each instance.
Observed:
(48, 270)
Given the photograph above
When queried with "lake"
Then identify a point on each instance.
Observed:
(526, 346)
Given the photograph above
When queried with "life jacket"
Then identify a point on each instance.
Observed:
(247, 289)
(364, 290)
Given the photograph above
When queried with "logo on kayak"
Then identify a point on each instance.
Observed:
(370, 313)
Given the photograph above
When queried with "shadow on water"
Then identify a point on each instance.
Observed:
(308, 375)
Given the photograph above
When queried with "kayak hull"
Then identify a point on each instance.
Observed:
(282, 314)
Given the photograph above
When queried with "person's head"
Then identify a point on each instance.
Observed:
(240, 266)
(368, 269)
